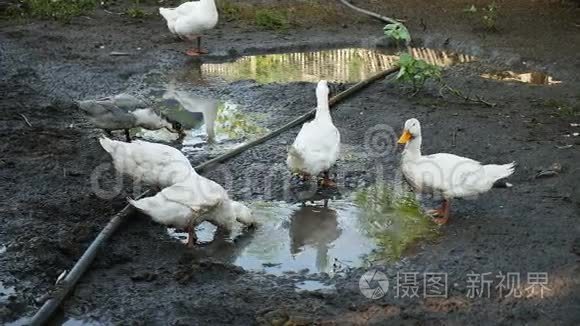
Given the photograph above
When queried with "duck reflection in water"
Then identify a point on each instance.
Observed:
(208, 108)
(315, 227)
(223, 248)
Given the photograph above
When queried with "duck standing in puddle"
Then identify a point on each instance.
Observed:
(187, 204)
(316, 148)
(449, 175)
(190, 19)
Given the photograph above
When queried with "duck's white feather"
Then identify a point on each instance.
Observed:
(192, 202)
(191, 18)
(317, 146)
(447, 174)
(155, 164)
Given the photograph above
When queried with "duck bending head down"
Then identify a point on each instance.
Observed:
(447, 175)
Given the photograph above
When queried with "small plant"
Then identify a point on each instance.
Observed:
(136, 13)
(416, 72)
(229, 10)
(563, 108)
(398, 32)
(271, 19)
(489, 15)
(61, 10)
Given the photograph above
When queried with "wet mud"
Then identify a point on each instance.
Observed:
(305, 265)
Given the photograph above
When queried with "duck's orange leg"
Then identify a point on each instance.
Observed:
(326, 181)
(197, 51)
(441, 215)
(191, 236)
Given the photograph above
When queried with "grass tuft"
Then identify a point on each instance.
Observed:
(60, 10)
(270, 19)
(281, 16)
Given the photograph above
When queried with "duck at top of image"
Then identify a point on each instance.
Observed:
(190, 19)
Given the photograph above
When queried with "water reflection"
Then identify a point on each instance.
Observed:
(187, 107)
(377, 225)
(315, 227)
(338, 65)
(395, 221)
(6, 292)
(314, 286)
(206, 120)
(222, 247)
(534, 78)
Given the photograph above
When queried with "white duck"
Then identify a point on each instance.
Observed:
(193, 201)
(124, 112)
(190, 19)
(317, 145)
(151, 163)
(448, 175)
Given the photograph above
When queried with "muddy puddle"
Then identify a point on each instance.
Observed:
(370, 225)
(310, 285)
(5, 292)
(532, 78)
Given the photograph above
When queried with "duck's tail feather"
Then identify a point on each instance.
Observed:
(294, 153)
(108, 144)
(138, 204)
(168, 13)
(496, 172)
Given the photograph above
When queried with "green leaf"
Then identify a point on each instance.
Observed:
(471, 9)
(401, 72)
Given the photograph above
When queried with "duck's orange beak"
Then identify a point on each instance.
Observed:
(405, 137)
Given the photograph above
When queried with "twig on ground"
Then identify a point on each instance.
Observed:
(454, 137)
(457, 93)
(26, 120)
(372, 14)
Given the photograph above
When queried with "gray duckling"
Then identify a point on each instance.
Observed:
(124, 112)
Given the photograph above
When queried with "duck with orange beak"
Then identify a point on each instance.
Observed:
(448, 175)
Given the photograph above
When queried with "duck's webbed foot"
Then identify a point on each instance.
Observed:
(326, 181)
(441, 215)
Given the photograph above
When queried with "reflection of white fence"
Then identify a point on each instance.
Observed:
(334, 65)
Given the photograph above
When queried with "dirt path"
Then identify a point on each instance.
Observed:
(49, 214)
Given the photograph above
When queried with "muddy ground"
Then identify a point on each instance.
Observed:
(49, 213)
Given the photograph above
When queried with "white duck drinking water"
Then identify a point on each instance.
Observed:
(124, 112)
(189, 203)
(317, 145)
(448, 175)
(190, 19)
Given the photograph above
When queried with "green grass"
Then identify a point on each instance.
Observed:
(488, 15)
(136, 13)
(271, 19)
(281, 16)
(394, 220)
(60, 10)
(563, 108)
